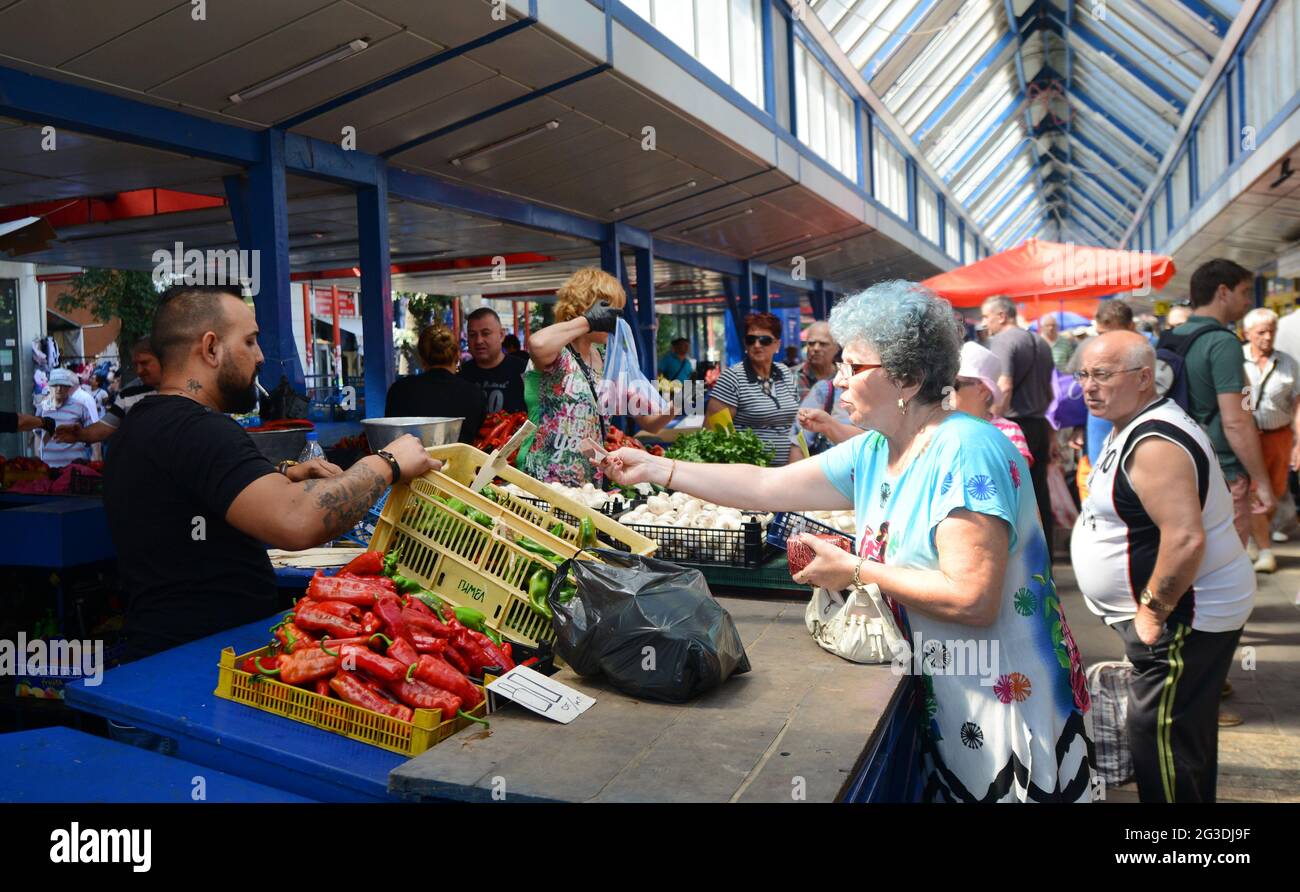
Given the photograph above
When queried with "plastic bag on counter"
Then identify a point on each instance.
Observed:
(650, 627)
(624, 389)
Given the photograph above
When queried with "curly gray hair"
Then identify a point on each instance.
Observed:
(912, 329)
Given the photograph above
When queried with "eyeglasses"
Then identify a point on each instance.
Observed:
(849, 369)
(1101, 377)
(763, 340)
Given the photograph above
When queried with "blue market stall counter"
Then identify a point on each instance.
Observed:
(63, 765)
(53, 531)
(171, 693)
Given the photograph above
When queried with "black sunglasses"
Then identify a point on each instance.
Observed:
(763, 340)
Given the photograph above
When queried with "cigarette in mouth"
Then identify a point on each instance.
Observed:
(260, 389)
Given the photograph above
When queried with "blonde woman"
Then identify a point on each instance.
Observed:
(569, 369)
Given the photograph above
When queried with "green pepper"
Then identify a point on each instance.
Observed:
(567, 593)
(406, 586)
(457, 505)
(470, 618)
(556, 529)
(586, 533)
(530, 546)
(479, 517)
(428, 598)
(332, 653)
(491, 633)
(489, 492)
(390, 562)
(539, 586)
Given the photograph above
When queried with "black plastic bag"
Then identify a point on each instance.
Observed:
(650, 627)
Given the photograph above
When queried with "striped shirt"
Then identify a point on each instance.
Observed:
(127, 397)
(768, 415)
(78, 408)
(1273, 405)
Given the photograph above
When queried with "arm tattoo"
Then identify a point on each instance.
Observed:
(193, 386)
(344, 500)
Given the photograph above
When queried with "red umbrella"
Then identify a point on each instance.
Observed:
(1038, 269)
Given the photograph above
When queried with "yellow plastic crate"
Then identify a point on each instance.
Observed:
(470, 565)
(462, 462)
(425, 729)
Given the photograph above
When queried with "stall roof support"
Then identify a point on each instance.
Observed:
(376, 300)
(268, 233)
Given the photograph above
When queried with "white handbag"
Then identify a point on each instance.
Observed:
(856, 625)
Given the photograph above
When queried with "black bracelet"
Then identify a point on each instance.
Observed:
(392, 463)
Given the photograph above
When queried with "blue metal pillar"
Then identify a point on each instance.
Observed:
(266, 212)
(645, 312)
(763, 293)
(376, 299)
(820, 307)
(745, 296)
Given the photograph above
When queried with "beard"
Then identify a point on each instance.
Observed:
(237, 394)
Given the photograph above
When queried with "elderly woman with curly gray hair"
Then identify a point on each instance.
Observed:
(947, 527)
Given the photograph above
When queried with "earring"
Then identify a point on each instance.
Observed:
(902, 406)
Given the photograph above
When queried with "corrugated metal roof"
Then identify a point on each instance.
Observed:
(1045, 117)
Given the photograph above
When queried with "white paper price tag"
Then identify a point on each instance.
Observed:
(544, 696)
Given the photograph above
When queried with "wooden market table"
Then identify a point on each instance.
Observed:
(800, 722)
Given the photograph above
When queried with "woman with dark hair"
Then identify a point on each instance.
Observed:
(761, 394)
(439, 391)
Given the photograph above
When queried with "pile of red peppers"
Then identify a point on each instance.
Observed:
(372, 638)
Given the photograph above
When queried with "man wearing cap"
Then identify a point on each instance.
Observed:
(66, 403)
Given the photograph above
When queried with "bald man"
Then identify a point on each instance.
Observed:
(1177, 591)
(821, 350)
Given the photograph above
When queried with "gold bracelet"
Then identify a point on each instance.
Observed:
(857, 571)
(671, 471)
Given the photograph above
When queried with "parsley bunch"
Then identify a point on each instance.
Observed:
(740, 448)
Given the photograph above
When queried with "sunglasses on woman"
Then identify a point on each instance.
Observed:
(762, 340)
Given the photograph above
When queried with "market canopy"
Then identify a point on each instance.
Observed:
(1041, 270)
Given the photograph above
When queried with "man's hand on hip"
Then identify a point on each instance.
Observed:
(1148, 625)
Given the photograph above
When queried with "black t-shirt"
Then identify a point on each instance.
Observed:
(502, 386)
(438, 392)
(173, 472)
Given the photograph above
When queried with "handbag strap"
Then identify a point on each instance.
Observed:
(591, 384)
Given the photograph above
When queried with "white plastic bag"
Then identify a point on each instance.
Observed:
(1109, 687)
(860, 627)
(624, 389)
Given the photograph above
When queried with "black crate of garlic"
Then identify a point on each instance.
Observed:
(689, 530)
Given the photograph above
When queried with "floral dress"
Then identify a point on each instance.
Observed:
(567, 413)
(1003, 706)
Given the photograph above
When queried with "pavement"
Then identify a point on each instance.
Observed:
(1259, 760)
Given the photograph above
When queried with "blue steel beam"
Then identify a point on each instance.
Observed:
(763, 291)
(409, 71)
(1100, 45)
(237, 201)
(901, 33)
(1029, 225)
(1138, 142)
(645, 312)
(39, 100)
(495, 110)
(1114, 29)
(1016, 25)
(976, 76)
(1012, 110)
(819, 308)
(1208, 13)
(990, 213)
(1101, 153)
(268, 232)
(376, 298)
(1085, 210)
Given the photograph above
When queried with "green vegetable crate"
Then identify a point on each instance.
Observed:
(471, 548)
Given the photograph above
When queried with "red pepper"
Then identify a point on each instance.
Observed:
(323, 686)
(427, 644)
(329, 644)
(318, 620)
(292, 636)
(507, 649)
(496, 655)
(403, 652)
(341, 609)
(416, 620)
(456, 659)
(370, 624)
(307, 666)
(531, 661)
(382, 668)
(350, 688)
(361, 592)
(368, 563)
(389, 611)
(413, 603)
(475, 657)
(418, 695)
(434, 671)
(382, 582)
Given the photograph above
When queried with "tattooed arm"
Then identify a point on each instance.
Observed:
(301, 515)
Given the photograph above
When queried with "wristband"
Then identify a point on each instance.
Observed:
(392, 463)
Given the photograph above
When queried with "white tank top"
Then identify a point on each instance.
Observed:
(1114, 544)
